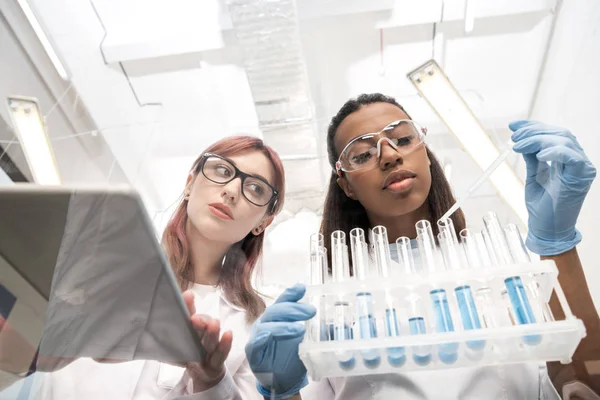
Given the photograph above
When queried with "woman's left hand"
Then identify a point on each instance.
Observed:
(211, 370)
(559, 175)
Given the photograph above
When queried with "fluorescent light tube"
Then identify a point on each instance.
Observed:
(31, 132)
(39, 31)
(469, 16)
(448, 104)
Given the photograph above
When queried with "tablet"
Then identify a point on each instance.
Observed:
(88, 260)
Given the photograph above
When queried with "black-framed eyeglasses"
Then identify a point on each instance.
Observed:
(220, 170)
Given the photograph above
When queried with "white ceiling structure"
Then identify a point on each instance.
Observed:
(157, 81)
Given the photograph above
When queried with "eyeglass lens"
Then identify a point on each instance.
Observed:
(221, 171)
(363, 151)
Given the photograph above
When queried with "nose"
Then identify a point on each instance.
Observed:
(231, 190)
(389, 156)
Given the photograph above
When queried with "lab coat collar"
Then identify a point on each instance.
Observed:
(229, 303)
(223, 297)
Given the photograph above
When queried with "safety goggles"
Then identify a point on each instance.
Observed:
(364, 151)
(220, 170)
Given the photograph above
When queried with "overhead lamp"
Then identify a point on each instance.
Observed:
(31, 132)
(437, 90)
(469, 16)
(43, 38)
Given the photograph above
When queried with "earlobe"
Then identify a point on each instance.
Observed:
(263, 225)
(343, 183)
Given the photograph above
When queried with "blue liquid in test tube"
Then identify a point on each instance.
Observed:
(468, 314)
(447, 352)
(396, 355)
(343, 331)
(421, 354)
(521, 307)
(367, 327)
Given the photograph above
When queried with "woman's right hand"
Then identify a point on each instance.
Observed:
(272, 349)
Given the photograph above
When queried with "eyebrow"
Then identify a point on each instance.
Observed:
(254, 175)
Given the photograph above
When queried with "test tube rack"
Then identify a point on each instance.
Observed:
(502, 337)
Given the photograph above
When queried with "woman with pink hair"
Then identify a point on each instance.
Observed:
(213, 242)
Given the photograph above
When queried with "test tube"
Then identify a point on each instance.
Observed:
(469, 314)
(382, 251)
(318, 276)
(343, 331)
(447, 352)
(340, 269)
(417, 326)
(342, 316)
(360, 253)
(367, 327)
(396, 355)
(452, 252)
(318, 263)
(464, 296)
(471, 247)
(523, 313)
(489, 248)
(541, 308)
(498, 239)
(405, 257)
(446, 225)
(514, 285)
(426, 244)
(487, 308)
(515, 244)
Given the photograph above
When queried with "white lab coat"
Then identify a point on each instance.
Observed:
(150, 380)
(506, 382)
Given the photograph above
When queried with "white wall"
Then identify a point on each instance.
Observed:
(569, 96)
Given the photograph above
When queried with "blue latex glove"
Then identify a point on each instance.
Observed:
(272, 349)
(554, 193)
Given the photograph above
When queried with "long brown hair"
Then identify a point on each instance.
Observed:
(343, 213)
(241, 258)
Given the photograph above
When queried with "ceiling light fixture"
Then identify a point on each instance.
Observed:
(31, 131)
(43, 38)
(437, 90)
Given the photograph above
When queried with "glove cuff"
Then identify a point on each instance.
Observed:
(545, 247)
(266, 392)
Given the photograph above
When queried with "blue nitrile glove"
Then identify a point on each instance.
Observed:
(272, 349)
(554, 193)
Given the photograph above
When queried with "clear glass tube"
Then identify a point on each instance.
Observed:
(367, 327)
(318, 260)
(515, 244)
(317, 327)
(382, 251)
(452, 252)
(471, 248)
(360, 253)
(541, 309)
(427, 249)
(521, 306)
(489, 248)
(447, 352)
(487, 308)
(498, 238)
(469, 314)
(396, 355)
(405, 257)
(446, 225)
(417, 326)
(340, 268)
(342, 328)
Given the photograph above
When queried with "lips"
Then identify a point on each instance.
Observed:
(223, 208)
(397, 176)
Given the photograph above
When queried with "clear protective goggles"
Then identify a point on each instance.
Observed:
(364, 151)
